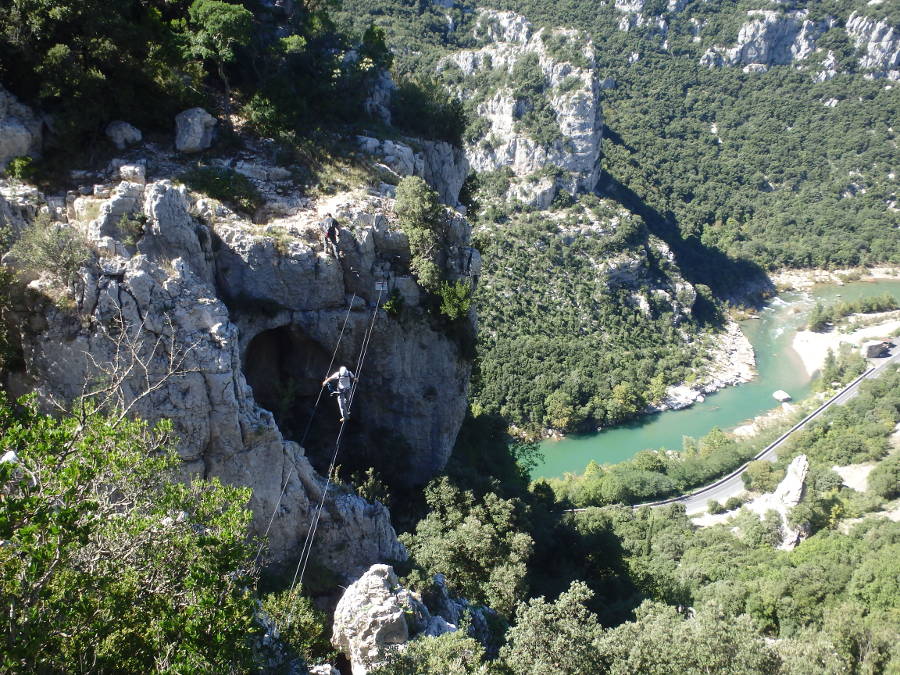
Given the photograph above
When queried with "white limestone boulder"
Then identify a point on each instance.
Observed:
(122, 134)
(194, 130)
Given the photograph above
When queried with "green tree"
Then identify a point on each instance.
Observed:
(559, 637)
(884, 480)
(422, 218)
(217, 29)
(476, 543)
(456, 299)
(662, 640)
(453, 653)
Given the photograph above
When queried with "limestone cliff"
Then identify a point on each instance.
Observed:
(771, 37)
(226, 326)
(878, 44)
(538, 97)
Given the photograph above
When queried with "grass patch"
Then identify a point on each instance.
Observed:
(226, 185)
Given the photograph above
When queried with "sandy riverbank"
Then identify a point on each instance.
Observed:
(813, 347)
(799, 280)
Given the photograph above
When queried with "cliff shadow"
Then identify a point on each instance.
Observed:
(284, 368)
(735, 280)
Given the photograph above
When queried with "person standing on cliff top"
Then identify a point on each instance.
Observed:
(329, 228)
(345, 380)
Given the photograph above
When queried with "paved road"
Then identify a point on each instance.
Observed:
(732, 484)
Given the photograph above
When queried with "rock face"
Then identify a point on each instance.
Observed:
(786, 496)
(247, 317)
(372, 616)
(122, 134)
(879, 43)
(376, 613)
(769, 38)
(20, 129)
(443, 166)
(541, 106)
(772, 37)
(194, 130)
(732, 362)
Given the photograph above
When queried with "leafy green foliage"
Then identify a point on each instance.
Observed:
(422, 218)
(559, 637)
(475, 542)
(424, 108)
(109, 563)
(20, 168)
(216, 30)
(456, 298)
(884, 480)
(449, 654)
(88, 65)
(820, 317)
(843, 367)
(662, 640)
(302, 627)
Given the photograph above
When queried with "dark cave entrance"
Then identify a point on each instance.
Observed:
(285, 368)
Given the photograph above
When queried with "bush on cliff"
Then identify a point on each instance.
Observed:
(107, 563)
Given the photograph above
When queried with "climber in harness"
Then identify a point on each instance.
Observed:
(344, 380)
(329, 228)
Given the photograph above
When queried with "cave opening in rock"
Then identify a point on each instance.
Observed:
(285, 368)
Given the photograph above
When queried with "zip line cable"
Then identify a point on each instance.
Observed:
(308, 426)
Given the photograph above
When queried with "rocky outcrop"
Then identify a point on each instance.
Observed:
(194, 130)
(122, 134)
(731, 362)
(769, 38)
(376, 614)
(441, 165)
(787, 495)
(650, 273)
(20, 129)
(879, 44)
(220, 323)
(538, 95)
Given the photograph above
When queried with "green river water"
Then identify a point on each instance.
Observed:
(778, 366)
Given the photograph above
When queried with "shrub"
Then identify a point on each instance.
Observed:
(714, 507)
(733, 503)
(456, 299)
(884, 480)
(21, 168)
(394, 304)
(426, 109)
(51, 247)
(302, 627)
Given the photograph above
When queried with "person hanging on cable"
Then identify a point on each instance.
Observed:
(344, 379)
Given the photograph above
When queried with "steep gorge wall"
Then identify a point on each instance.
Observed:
(184, 284)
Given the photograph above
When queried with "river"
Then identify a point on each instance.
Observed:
(778, 367)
